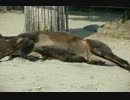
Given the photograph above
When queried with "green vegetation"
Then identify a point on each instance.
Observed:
(118, 35)
(124, 19)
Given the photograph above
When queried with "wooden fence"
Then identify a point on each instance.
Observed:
(46, 18)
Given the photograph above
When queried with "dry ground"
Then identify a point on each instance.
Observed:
(20, 75)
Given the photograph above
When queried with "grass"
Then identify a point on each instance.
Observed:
(124, 19)
(118, 35)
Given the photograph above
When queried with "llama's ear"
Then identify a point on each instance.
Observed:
(19, 40)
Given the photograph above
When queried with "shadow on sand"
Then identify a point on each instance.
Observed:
(81, 32)
(95, 16)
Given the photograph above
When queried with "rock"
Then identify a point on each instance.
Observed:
(93, 27)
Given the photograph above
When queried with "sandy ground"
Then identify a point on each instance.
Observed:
(20, 75)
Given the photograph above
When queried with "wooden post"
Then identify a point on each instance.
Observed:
(66, 13)
(46, 18)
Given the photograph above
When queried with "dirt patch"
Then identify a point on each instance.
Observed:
(115, 29)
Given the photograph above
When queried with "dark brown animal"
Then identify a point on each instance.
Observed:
(92, 51)
(53, 52)
(11, 45)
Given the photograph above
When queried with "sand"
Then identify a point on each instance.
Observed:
(20, 75)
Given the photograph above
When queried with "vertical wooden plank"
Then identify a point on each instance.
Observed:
(30, 19)
(41, 21)
(25, 21)
(58, 18)
(55, 18)
(51, 24)
(37, 18)
(62, 19)
(44, 18)
(28, 22)
(66, 14)
(32, 8)
(48, 13)
(34, 16)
